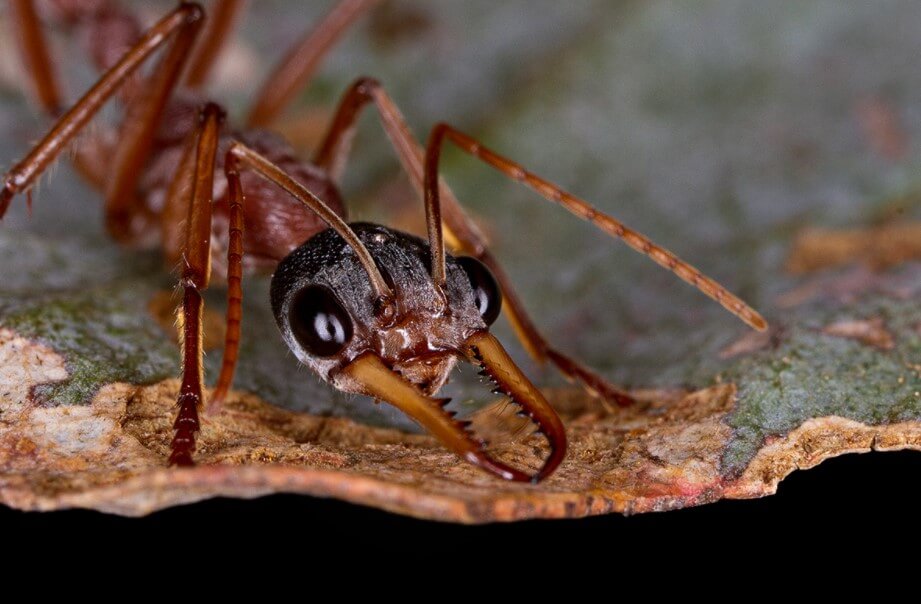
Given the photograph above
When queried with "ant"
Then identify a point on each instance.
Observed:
(371, 310)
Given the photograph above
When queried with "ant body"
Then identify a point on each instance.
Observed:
(371, 310)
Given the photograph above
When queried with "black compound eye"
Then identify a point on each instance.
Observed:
(486, 292)
(319, 321)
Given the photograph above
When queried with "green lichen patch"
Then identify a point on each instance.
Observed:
(810, 374)
(103, 334)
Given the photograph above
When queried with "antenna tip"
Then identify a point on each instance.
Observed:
(757, 322)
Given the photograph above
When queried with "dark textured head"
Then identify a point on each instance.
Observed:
(328, 315)
(362, 308)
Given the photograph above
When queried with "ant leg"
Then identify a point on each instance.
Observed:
(234, 284)
(173, 220)
(196, 272)
(178, 201)
(293, 72)
(334, 151)
(221, 21)
(35, 51)
(183, 21)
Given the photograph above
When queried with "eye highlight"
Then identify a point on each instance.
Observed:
(486, 294)
(319, 322)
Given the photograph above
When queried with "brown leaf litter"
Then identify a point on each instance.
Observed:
(663, 454)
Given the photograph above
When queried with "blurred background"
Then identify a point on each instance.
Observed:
(720, 128)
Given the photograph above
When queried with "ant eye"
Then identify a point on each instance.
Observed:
(486, 294)
(319, 322)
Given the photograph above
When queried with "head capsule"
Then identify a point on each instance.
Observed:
(328, 315)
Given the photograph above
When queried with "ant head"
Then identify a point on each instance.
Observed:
(329, 314)
(367, 316)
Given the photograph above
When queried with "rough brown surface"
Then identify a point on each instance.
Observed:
(110, 455)
(879, 247)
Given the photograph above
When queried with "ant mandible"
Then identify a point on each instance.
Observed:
(371, 310)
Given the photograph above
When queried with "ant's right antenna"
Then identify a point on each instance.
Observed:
(580, 208)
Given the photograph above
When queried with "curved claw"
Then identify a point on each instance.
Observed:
(484, 349)
(370, 375)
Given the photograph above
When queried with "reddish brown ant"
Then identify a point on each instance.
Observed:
(371, 310)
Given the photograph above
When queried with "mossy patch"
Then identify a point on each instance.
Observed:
(811, 374)
(103, 335)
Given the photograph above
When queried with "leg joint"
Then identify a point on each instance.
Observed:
(192, 12)
(366, 86)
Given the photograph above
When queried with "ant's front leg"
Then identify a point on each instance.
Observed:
(189, 202)
(196, 183)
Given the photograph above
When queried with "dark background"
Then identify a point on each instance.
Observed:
(853, 499)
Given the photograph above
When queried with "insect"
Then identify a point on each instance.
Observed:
(371, 310)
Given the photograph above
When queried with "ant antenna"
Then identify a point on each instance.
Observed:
(579, 207)
(266, 169)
